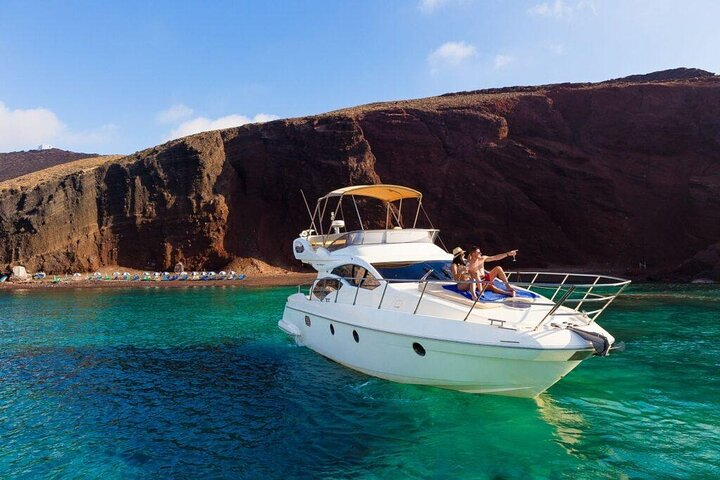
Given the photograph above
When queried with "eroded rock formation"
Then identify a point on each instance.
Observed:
(619, 176)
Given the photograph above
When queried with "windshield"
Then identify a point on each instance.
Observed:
(415, 271)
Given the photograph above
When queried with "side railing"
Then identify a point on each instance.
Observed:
(336, 241)
(572, 290)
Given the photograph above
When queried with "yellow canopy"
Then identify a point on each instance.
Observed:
(386, 193)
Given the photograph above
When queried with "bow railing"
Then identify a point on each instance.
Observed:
(573, 291)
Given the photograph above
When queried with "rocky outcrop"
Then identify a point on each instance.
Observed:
(15, 164)
(620, 176)
(672, 74)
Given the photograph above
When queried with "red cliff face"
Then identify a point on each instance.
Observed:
(620, 176)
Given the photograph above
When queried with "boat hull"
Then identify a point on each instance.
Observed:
(463, 366)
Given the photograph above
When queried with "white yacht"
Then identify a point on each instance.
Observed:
(384, 303)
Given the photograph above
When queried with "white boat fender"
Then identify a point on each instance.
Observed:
(599, 342)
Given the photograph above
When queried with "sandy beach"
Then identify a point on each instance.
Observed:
(252, 281)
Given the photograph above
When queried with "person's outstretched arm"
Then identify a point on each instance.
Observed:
(500, 256)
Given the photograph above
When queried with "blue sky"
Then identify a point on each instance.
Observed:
(116, 77)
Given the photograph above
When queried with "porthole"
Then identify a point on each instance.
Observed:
(307, 320)
(332, 329)
(356, 337)
(419, 349)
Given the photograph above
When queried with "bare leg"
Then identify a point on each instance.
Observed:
(475, 287)
(495, 289)
(500, 273)
(465, 287)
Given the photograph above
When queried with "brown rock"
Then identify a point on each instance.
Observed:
(617, 176)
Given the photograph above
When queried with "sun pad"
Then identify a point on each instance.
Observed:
(489, 296)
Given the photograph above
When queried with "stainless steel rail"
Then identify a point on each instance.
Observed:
(575, 290)
(552, 311)
(336, 241)
(591, 289)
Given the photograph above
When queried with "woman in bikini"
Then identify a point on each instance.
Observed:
(476, 268)
(460, 272)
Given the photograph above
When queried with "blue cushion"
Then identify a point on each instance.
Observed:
(490, 296)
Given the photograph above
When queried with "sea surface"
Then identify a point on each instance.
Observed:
(200, 383)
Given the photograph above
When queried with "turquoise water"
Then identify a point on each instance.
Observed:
(200, 383)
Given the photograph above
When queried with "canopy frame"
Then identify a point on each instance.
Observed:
(386, 193)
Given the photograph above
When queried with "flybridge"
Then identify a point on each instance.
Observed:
(392, 196)
(328, 230)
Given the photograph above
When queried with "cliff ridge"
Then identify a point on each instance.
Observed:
(620, 176)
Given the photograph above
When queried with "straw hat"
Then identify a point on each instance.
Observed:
(457, 251)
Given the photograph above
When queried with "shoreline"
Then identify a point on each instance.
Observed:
(258, 281)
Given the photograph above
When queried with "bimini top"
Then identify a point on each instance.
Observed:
(386, 193)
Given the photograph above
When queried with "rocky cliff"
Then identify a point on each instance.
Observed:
(619, 176)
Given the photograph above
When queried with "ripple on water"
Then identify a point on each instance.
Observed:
(196, 383)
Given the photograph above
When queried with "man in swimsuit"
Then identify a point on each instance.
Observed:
(476, 267)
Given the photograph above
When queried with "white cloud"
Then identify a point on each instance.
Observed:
(451, 54)
(587, 4)
(22, 129)
(561, 8)
(430, 6)
(203, 124)
(557, 9)
(176, 113)
(264, 117)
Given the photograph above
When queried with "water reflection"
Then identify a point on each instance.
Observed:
(201, 383)
(568, 424)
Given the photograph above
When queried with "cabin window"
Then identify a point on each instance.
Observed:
(438, 269)
(324, 287)
(357, 276)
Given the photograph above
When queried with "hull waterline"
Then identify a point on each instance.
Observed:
(465, 367)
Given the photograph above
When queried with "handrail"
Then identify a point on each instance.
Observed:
(336, 241)
(559, 287)
(383, 294)
(421, 296)
(610, 301)
(557, 305)
(477, 299)
(453, 282)
(587, 293)
(601, 299)
(357, 290)
(570, 274)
